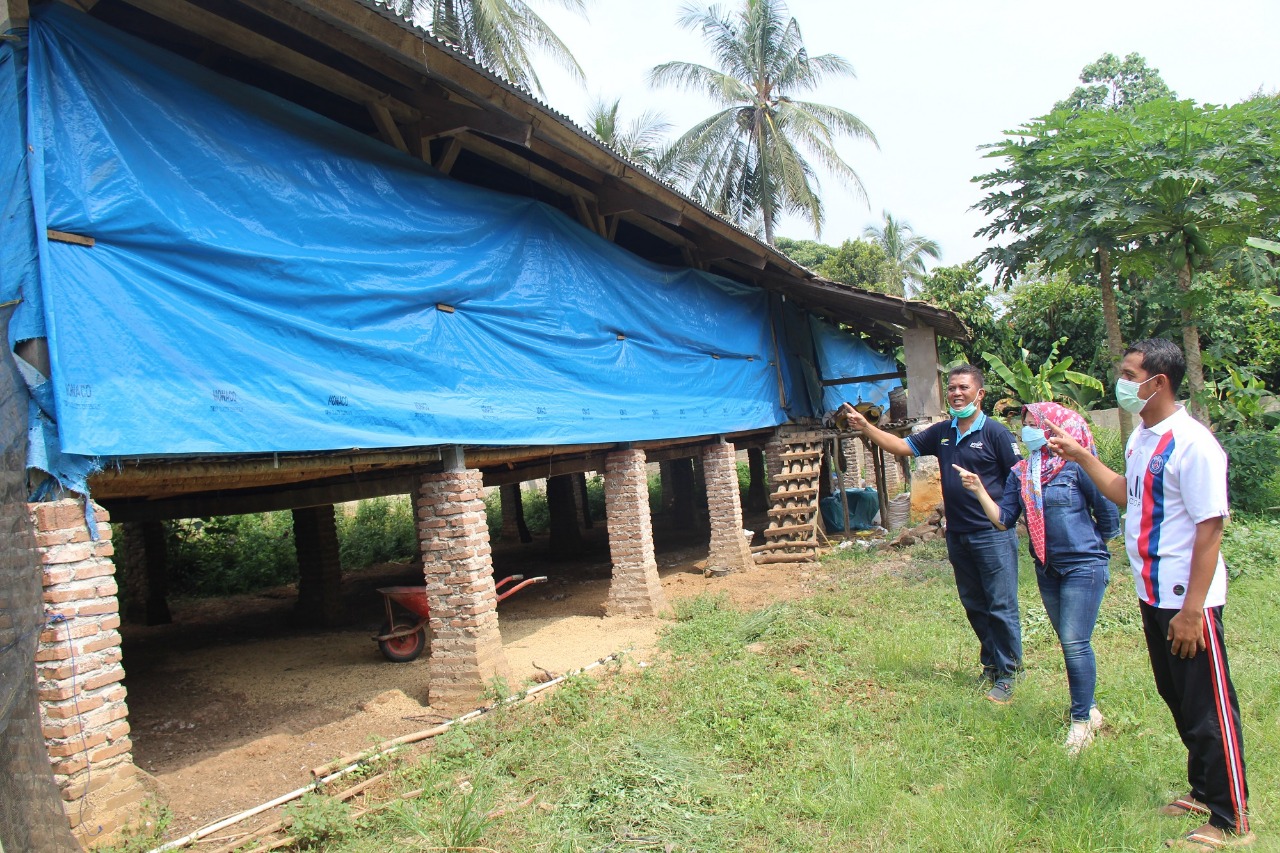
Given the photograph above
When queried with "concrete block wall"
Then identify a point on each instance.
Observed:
(635, 589)
(728, 549)
(466, 647)
(79, 674)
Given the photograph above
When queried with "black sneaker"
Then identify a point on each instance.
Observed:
(988, 676)
(1002, 691)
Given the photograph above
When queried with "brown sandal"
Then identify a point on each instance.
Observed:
(1184, 806)
(1209, 838)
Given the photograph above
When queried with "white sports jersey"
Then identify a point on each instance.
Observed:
(1176, 474)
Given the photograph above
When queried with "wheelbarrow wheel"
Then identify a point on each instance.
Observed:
(402, 649)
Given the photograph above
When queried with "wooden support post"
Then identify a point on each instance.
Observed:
(924, 390)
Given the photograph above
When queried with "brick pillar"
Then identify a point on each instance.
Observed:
(773, 450)
(758, 491)
(315, 536)
(466, 648)
(635, 589)
(510, 494)
(79, 674)
(146, 573)
(851, 448)
(729, 549)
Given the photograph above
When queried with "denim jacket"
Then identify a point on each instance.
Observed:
(1078, 520)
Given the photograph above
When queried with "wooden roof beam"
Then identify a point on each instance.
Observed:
(510, 160)
(445, 118)
(616, 199)
(250, 44)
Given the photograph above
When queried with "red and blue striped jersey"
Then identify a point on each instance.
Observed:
(1176, 474)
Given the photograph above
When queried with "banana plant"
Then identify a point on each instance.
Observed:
(1053, 380)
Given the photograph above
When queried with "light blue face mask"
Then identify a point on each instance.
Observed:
(965, 412)
(1127, 395)
(1033, 438)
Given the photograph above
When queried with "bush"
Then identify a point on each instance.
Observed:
(380, 531)
(536, 515)
(1254, 474)
(1251, 546)
(228, 554)
(1110, 447)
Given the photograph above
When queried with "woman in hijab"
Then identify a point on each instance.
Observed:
(1069, 523)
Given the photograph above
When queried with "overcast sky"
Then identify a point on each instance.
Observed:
(936, 79)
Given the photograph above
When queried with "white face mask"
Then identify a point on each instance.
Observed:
(1127, 395)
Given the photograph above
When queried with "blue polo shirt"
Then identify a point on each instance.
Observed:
(987, 449)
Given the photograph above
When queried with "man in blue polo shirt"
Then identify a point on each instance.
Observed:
(985, 560)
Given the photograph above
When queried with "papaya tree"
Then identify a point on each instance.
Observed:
(1189, 183)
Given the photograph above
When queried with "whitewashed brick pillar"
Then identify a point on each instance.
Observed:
(79, 672)
(466, 647)
(728, 549)
(635, 589)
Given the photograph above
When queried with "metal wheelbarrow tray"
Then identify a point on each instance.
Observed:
(403, 638)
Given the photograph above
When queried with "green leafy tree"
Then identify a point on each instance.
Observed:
(862, 264)
(905, 250)
(1042, 309)
(1111, 83)
(640, 140)
(1192, 180)
(1051, 194)
(748, 161)
(500, 34)
(961, 289)
(807, 253)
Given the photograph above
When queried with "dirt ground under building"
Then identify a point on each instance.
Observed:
(231, 706)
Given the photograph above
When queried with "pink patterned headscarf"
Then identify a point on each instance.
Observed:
(1043, 465)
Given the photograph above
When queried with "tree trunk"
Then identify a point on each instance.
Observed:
(1115, 341)
(1191, 348)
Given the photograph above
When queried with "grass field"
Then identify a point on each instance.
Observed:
(846, 722)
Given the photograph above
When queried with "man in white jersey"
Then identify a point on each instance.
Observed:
(1175, 488)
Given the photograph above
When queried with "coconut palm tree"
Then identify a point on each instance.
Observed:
(640, 141)
(748, 161)
(498, 33)
(905, 249)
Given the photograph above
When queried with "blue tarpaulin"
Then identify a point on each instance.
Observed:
(842, 356)
(262, 279)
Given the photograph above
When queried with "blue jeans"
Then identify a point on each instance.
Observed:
(986, 569)
(1072, 596)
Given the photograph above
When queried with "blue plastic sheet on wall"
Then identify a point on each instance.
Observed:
(843, 356)
(262, 279)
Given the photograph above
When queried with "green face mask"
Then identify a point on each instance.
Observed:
(965, 412)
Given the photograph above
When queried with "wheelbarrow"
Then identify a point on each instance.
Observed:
(402, 638)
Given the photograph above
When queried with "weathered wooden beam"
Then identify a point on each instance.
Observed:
(616, 199)
(445, 118)
(253, 45)
(873, 377)
(14, 15)
(245, 501)
(450, 155)
(387, 127)
(519, 165)
(534, 470)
